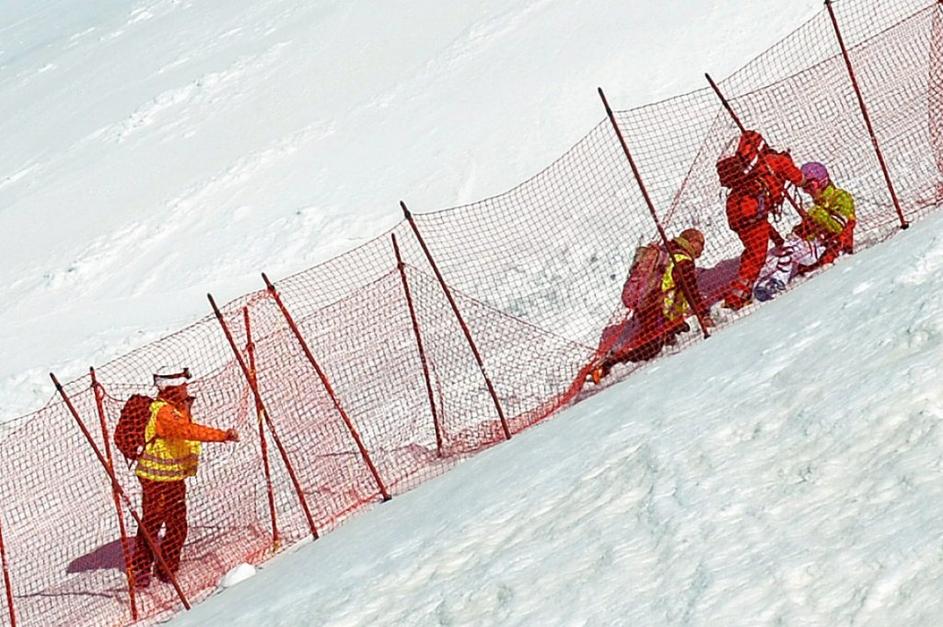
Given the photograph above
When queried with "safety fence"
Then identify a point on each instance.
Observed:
(373, 372)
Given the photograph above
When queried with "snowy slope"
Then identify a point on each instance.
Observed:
(154, 150)
(787, 471)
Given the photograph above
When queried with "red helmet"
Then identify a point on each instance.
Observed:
(751, 145)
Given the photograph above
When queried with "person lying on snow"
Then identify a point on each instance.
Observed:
(654, 293)
(818, 240)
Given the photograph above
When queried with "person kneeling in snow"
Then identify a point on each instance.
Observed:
(826, 232)
(654, 293)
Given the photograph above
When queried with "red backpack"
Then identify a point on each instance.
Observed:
(734, 172)
(648, 268)
(129, 432)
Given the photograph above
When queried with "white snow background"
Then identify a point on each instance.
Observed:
(785, 471)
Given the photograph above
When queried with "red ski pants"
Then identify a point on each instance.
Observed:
(755, 239)
(164, 504)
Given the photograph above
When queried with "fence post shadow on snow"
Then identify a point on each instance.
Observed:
(327, 387)
(116, 487)
(686, 289)
(126, 549)
(864, 114)
(259, 413)
(422, 352)
(260, 405)
(459, 317)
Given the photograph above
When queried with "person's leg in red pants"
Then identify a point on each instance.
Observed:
(152, 519)
(755, 239)
(175, 527)
(163, 504)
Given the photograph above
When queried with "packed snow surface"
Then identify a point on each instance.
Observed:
(156, 150)
(787, 471)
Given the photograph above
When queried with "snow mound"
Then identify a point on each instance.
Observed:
(237, 575)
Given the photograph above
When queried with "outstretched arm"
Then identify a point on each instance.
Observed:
(172, 425)
(785, 167)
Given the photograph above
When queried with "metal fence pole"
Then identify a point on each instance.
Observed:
(461, 320)
(259, 414)
(867, 118)
(685, 288)
(302, 501)
(125, 542)
(327, 386)
(7, 584)
(422, 352)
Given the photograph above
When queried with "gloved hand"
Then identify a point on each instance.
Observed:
(232, 435)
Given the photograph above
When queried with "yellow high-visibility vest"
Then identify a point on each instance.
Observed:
(674, 305)
(833, 211)
(166, 459)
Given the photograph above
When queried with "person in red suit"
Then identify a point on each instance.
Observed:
(757, 192)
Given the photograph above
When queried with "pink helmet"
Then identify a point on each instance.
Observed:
(815, 172)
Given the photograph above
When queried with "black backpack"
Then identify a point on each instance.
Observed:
(129, 432)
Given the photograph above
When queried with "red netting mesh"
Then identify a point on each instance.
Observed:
(537, 274)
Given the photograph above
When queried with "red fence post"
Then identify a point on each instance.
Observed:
(422, 353)
(733, 115)
(7, 584)
(461, 320)
(125, 542)
(867, 118)
(258, 400)
(327, 386)
(259, 412)
(117, 488)
(685, 288)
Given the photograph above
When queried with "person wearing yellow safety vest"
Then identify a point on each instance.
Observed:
(683, 250)
(818, 240)
(171, 455)
(659, 315)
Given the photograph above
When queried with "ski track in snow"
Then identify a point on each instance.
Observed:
(173, 108)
